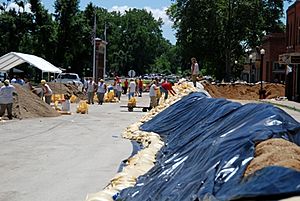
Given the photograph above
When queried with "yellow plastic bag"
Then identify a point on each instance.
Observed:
(109, 97)
(83, 107)
(73, 99)
(158, 93)
(57, 97)
(132, 102)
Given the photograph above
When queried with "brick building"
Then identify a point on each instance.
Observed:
(274, 44)
(292, 57)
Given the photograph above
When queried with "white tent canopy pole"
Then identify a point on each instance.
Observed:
(13, 59)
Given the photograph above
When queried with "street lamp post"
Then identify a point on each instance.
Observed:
(235, 69)
(250, 63)
(261, 91)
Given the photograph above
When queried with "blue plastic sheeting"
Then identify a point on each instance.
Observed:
(209, 143)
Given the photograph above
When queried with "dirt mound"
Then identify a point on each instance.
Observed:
(244, 91)
(70, 89)
(29, 105)
(275, 152)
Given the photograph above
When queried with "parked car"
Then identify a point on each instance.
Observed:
(69, 78)
(3, 76)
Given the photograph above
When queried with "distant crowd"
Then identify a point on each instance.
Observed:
(130, 87)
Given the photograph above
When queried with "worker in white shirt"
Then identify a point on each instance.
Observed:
(47, 92)
(153, 94)
(101, 91)
(91, 88)
(132, 89)
(194, 70)
(6, 99)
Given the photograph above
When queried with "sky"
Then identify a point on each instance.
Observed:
(157, 7)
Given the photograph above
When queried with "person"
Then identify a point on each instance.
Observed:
(19, 81)
(119, 90)
(91, 91)
(125, 86)
(140, 87)
(47, 92)
(153, 94)
(35, 90)
(132, 88)
(136, 87)
(194, 70)
(167, 87)
(6, 99)
(13, 80)
(115, 87)
(85, 85)
(110, 88)
(101, 91)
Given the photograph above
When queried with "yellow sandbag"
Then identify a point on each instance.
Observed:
(158, 93)
(73, 99)
(57, 97)
(109, 97)
(82, 107)
(56, 106)
(132, 102)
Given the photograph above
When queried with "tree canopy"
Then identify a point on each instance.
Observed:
(64, 37)
(218, 32)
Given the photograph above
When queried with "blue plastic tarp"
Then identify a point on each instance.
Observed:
(208, 145)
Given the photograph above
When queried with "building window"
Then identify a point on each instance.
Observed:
(277, 66)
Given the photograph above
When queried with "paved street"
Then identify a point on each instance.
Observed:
(64, 158)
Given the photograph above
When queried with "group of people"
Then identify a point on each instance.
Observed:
(90, 87)
(132, 88)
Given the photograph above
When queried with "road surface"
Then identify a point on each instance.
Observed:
(67, 157)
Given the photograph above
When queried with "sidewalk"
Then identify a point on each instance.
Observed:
(291, 107)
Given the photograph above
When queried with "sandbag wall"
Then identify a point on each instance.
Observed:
(208, 145)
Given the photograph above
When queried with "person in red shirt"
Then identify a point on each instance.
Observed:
(125, 86)
(167, 87)
(140, 87)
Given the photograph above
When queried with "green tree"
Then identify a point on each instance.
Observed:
(71, 25)
(44, 32)
(217, 32)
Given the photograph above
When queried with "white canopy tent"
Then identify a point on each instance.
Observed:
(13, 59)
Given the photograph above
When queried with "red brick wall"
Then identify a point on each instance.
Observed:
(274, 45)
(293, 28)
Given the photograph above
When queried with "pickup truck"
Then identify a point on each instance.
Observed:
(69, 78)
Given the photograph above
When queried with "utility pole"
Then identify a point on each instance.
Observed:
(104, 66)
(94, 46)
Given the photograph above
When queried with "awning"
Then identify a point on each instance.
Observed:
(12, 59)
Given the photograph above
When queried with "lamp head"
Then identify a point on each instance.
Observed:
(262, 51)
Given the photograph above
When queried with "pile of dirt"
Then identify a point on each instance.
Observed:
(274, 152)
(70, 89)
(244, 91)
(29, 105)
